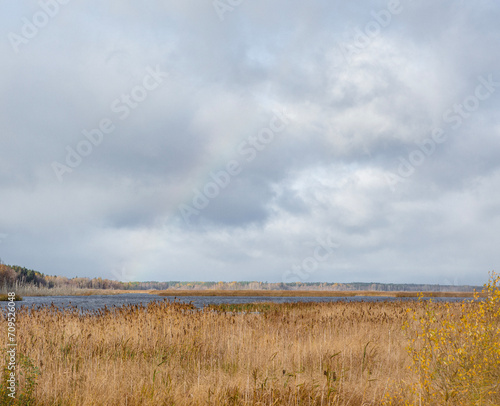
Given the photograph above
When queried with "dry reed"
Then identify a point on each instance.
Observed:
(169, 353)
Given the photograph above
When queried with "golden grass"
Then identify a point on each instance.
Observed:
(305, 293)
(169, 353)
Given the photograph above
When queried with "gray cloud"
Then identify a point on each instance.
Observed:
(361, 96)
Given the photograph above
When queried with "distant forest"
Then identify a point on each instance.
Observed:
(14, 275)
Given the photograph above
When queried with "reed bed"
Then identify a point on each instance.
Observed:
(170, 353)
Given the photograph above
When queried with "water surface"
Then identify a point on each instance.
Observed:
(95, 302)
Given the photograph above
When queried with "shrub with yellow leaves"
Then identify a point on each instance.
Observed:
(455, 352)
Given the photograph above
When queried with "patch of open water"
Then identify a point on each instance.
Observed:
(95, 302)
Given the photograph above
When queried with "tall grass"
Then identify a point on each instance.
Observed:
(169, 353)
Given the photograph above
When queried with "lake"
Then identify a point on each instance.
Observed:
(95, 302)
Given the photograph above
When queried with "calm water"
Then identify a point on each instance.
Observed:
(95, 302)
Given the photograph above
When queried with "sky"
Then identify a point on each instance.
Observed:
(232, 140)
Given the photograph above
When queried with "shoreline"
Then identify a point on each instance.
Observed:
(252, 293)
(308, 293)
(75, 292)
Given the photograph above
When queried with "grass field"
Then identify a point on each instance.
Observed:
(336, 353)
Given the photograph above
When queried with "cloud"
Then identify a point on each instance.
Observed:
(361, 94)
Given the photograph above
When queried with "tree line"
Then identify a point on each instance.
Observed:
(11, 275)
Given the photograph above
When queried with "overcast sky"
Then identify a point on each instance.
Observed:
(251, 140)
